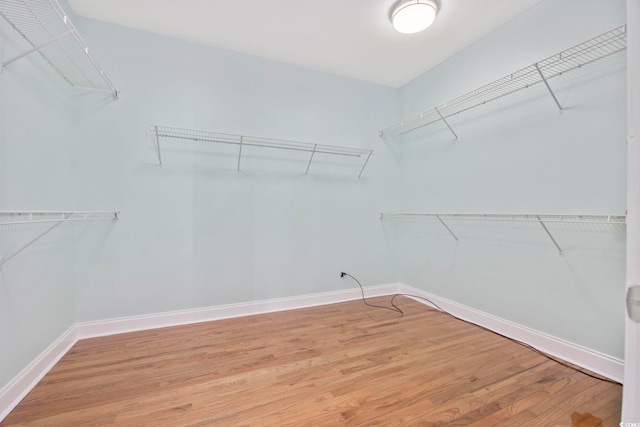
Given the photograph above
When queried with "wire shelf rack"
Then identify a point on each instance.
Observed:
(254, 141)
(542, 219)
(536, 74)
(16, 218)
(31, 217)
(576, 219)
(48, 30)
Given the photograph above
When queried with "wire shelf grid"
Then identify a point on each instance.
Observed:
(184, 135)
(542, 219)
(48, 30)
(32, 217)
(571, 59)
(57, 218)
(567, 219)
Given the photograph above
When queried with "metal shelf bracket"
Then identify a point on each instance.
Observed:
(32, 241)
(315, 146)
(550, 235)
(55, 217)
(240, 154)
(546, 83)
(158, 148)
(446, 123)
(448, 229)
(365, 163)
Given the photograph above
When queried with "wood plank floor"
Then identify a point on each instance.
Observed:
(340, 364)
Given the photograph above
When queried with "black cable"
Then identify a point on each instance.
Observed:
(396, 309)
(522, 343)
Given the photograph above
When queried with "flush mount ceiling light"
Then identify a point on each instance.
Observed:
(412, 16)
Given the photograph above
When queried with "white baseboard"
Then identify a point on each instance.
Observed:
(17, 389)
(13, 392)
(185, 317)
(602, 364)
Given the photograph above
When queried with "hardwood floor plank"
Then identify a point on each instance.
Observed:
(341, 364)
(528, 395)
(551, 412)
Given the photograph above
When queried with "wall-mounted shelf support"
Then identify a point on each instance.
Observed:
(35, 49)
(540, 219)
(48, 30)
(158, 148)
(540, 72)
(546, 83)
(32, 241)
(446, 123)
(315, 146)
(240, 153)
(550, 235)
(55, 217)
(365, 162)
(447, 227)
(243, 141)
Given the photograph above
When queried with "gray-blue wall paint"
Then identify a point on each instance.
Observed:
(36, 136)
(195, 232)
(519, 155)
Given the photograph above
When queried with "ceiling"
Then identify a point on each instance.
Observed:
(352, 38)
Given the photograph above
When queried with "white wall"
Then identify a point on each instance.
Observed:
(519, 155)
(36, 134)
(195, 232)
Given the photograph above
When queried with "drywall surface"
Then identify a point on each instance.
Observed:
(197, 232)
(519, 155)
(36, 132)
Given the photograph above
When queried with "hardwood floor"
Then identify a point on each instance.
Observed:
(341, 364)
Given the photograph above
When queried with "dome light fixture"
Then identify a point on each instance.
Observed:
(413, 16)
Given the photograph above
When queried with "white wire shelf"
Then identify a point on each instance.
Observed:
(541, 72)
(8, 218)
(49, 31)
(253, 141)
(578, 219)
(541, 219)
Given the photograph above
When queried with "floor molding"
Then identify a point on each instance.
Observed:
(602, 364)
(184, 317)
(14, 391)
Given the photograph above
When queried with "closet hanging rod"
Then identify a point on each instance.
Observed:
(541, 72)
(48, 30)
